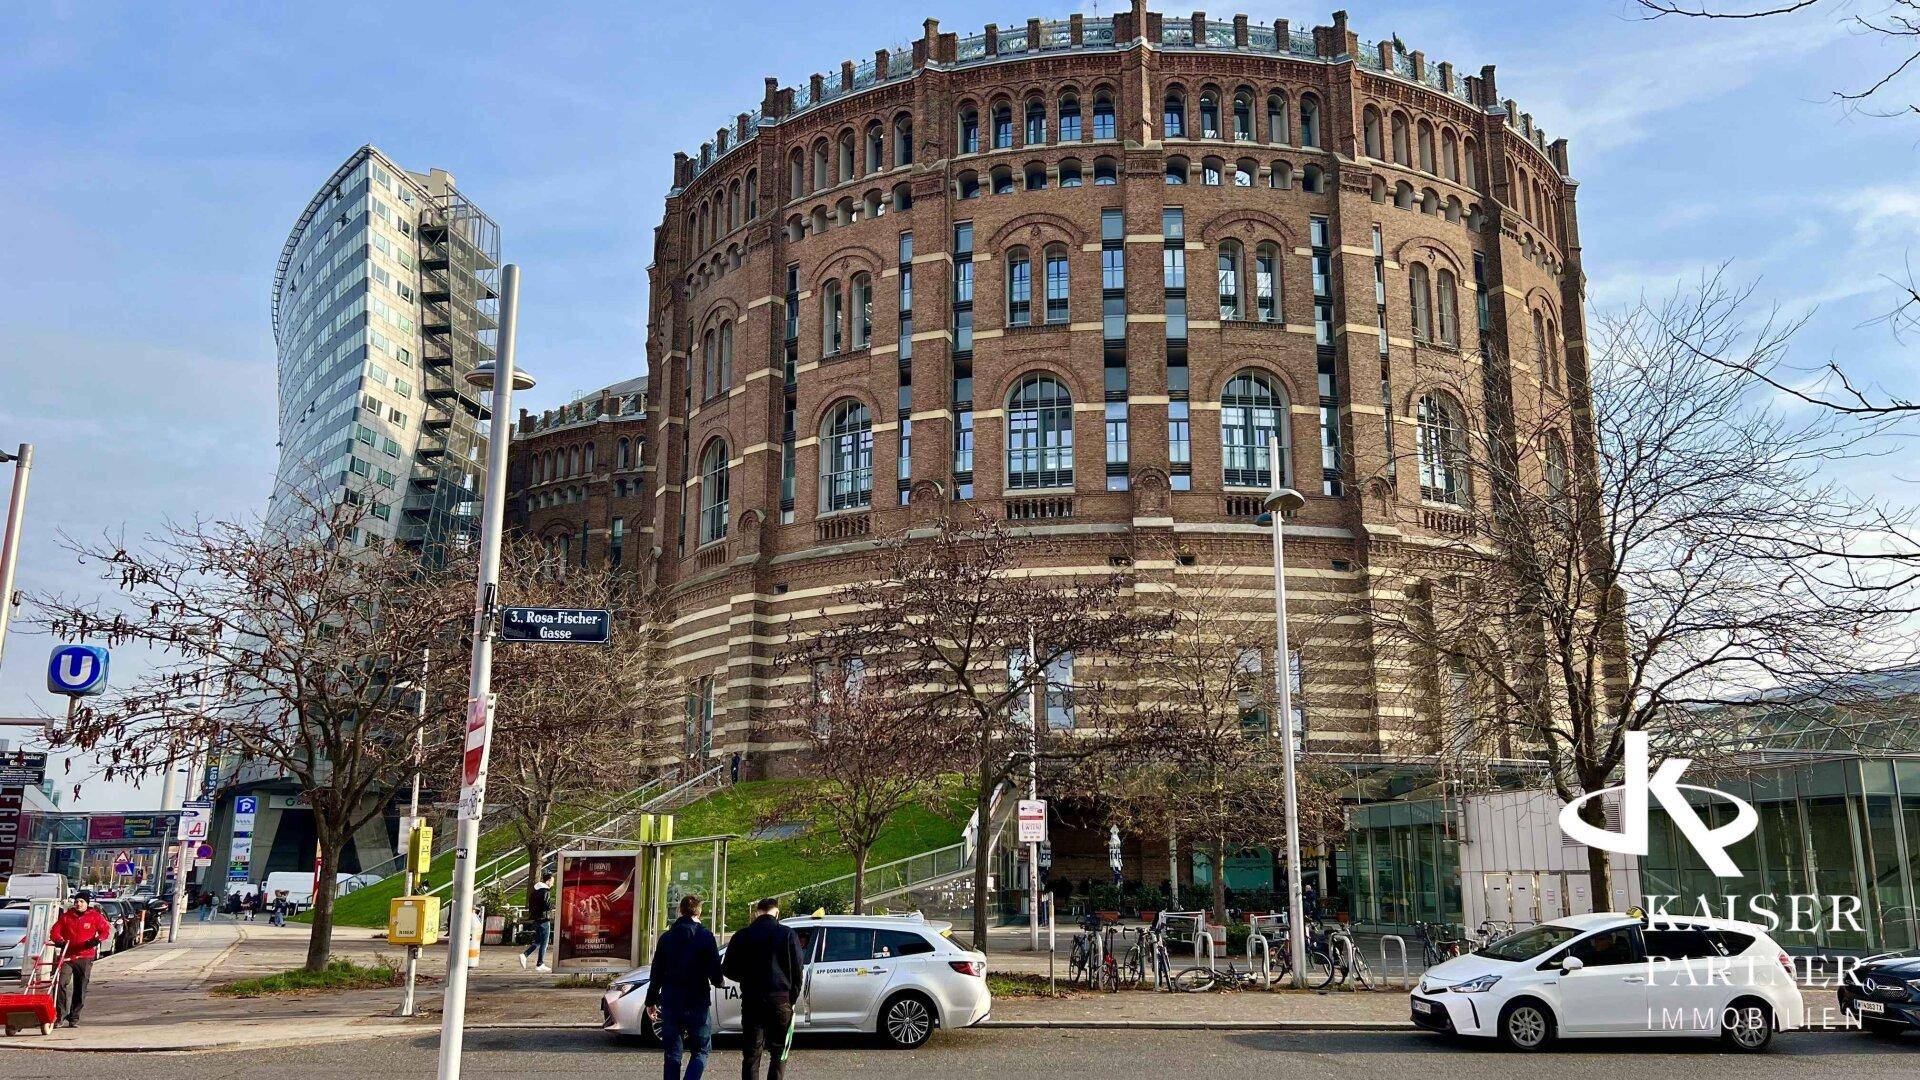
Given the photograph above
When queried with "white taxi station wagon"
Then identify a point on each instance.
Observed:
(897, 976)
(1616, 976)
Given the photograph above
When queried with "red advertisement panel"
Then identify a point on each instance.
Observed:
(596, 908)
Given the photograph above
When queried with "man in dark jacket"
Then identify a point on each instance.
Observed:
(540, 914)
(764, 958)
(686, 966)
(79, 931)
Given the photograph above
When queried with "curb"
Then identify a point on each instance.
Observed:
(219, 1047)
(1206, 1025)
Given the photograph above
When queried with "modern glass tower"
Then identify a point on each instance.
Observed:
(385, 297)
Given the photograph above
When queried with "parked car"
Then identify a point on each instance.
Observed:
(13, 940)
(116, 918)
(897, 976)
(1613, 976)
(1885, 994)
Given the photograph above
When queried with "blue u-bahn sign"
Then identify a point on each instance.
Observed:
(77, 670)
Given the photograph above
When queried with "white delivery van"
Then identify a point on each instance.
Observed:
(299, 885)
(38, 887)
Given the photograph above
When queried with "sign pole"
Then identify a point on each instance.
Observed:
(1279, 501)
(413, 817)
(480, 678)
(1038, 696)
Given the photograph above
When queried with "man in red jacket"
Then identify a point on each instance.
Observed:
(80, 930)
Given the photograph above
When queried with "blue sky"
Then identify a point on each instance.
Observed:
(155, 156)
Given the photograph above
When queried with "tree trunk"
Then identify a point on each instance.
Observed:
(982, 856)
(860, 880)
(536, 855)
(320, 941)
(1594, 812)
(1218, 856)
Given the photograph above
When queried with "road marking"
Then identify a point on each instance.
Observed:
(164, 958)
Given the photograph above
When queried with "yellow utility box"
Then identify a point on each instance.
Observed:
(420, 849)
(413, 920)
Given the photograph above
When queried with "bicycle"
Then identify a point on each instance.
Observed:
(1347, 961)
(1133, 969)
(1200, 979)
(1080, 960)
(1439, 943)
(1109, 970)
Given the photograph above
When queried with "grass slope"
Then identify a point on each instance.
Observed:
(368, 906)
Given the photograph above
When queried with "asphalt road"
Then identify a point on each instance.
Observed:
(1108, 1055)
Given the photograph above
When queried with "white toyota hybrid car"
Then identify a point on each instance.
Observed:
(899, 976)
(1616, 976)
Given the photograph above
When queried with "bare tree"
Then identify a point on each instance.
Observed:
(1703, 555)
(573, 723)
(1896, 20)
(957, 604)
(298, 651)
(868, 739)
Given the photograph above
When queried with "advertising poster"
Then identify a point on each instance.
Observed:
(11, 800)
(106, 827)
(240, 846)
(597, 894)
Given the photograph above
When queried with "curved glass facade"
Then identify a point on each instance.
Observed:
(384, 299)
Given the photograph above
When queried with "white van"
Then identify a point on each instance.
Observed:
(38, 887)
(298, 885)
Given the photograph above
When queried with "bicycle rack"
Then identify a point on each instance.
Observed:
(1199, 921)
(1404, 970)
(1257, 943)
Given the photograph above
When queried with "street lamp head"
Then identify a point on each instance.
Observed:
(483, 374)
(1283, 500)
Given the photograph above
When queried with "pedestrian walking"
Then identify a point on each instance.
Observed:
(540, 914)
(279, 908)
(764, 958)
(79, 932)
(1310, 901)
(206, 907)
(686, 966)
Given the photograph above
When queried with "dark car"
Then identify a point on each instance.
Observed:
(116, 913)
(1884, 994)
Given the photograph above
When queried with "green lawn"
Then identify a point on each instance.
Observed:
(338, 975)
(756, 868)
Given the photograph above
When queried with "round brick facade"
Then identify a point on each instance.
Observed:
(1336, 166)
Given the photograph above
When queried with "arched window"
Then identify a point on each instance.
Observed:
(860, 310)
(1277, 119)
(1370, 132)
(1057, 283)
(1103, 125)
(1209, 115)
(1036, 177)
(1176, 171)
(876, 145)
(1403, 195)
(1442, 438)
(1211, 169)
(846, 161)
(1173, 116)
(1229, 277)
(832, 318)
(753, 194)
(1036, 121)
(590, 449)
(1266, 282)
(1446, 306)
(1069, 118)
(1470, 152)
(1002, 180)
(1019, 288)
(1309, 120)
(796, 174)
(1312, 180)
(1401, 154)
(1039, 434)
(820, 179)
(1002, 126)
(620, 454)
(1243, 116)
(1553, 356)
(902, 140)
(1280, 175)
(967, 185)
(1252, 411)
(846, 458)
(902, 197)
(713, 492)
(1070, 172)
(1424, 147)
(1106, 172)
(969, 130)
(1244, 171)
(1420, 290)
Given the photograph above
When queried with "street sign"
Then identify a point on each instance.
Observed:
(22, 768)
(123, 862)
(194, 817)
(556, 626)
(1033, 821)
(77, 670)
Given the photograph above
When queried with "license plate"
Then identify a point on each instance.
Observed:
(1422, 1006)
(1873, 1007)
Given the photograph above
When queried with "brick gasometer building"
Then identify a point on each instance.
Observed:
(1073, 273)
(578, 480)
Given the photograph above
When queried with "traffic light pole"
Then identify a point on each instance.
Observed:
(480, 682)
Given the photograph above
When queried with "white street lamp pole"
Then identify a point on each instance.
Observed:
(10, 546)
(1279, 502)
(503, 380)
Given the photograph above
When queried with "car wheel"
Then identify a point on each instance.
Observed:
(1747, 1025)
(1526, 1025)
(906, 1021)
